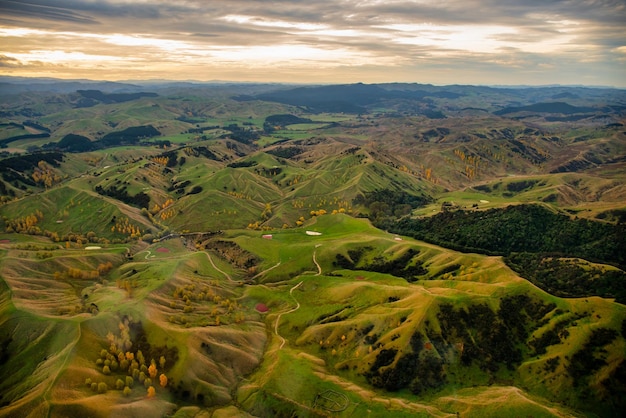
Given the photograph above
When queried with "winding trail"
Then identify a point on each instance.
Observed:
(287, 312)
(319, 272)
(265, 271)
(219, 270)
(319, 268)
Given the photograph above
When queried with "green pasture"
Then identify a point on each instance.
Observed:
(330, 117)
(9, 131)
(177, 138)
(306, 126)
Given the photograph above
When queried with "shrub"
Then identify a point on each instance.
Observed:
(119, 384)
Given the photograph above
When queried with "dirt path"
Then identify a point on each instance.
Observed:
(319, 268)
(288, 312)
(265, 271)
(218, 269)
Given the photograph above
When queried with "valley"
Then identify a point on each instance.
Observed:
(268, 250)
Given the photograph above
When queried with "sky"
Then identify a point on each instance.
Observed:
(487, 42)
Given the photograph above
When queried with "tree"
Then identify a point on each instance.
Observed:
(152, 370)
(163, 380)
(379, 209)
(151, 392)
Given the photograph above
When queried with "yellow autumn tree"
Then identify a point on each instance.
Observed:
(152, 370)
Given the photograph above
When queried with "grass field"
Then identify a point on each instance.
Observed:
(296, 350)
(247, 272)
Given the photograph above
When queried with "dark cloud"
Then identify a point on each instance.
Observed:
(42, 11)
(9, 62)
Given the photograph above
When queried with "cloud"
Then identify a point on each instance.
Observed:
(32, 10)
(9, 62)
(367, 35)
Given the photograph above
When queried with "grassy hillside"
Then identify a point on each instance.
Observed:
(230, 266)
(357, 332)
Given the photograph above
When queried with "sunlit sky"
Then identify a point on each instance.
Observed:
(495, 42)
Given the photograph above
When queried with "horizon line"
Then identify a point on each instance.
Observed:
(219, 81)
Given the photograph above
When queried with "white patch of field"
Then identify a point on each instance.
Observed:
(313, 233)
(93, 247)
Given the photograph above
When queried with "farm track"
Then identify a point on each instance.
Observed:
(288, 312)
(219, 270)
(265, 271)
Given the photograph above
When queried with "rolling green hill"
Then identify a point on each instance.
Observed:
(442, 251)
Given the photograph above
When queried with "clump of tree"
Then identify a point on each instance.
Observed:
(591, 357)
(75, 143)
(233, 253)
(24, 224)
(406, 265)
(245, 135)
(419, 369)
(167, 159)
(125, 227)
(518, 228)
(76, 273)
(217, 307)
(242, 164)
(386, 203)
(286, 152)
(17, 169)
(140, 200)
(130, 360)
(130, 135)
(569, 277)
(276, 122)
(44, 174)
(201, 151)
